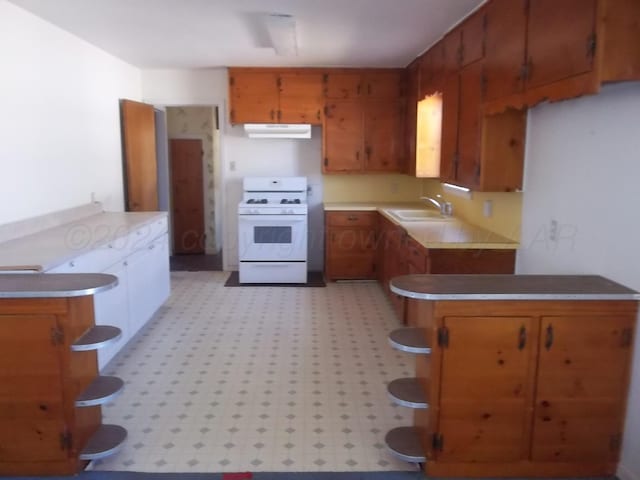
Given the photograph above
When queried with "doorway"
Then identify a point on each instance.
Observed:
(192, 138)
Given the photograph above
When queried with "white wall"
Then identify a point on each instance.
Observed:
(583, 170)
(241, 156)
(60, 124)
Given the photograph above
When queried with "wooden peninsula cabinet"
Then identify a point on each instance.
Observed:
(50, 389)
(526, 375)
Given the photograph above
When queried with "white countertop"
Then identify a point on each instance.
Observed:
(51, 247)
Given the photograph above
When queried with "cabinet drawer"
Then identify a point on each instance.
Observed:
(351, 219)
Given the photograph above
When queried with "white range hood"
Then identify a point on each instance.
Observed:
(277, 130)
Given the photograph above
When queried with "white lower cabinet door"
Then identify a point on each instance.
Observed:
(112, 308)
(148, 275)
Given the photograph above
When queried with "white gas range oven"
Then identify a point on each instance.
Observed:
(273, 230)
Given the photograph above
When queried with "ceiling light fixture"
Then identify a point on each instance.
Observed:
(282, 30)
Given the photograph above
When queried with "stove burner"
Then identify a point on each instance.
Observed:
(257, 200)
(288, 201)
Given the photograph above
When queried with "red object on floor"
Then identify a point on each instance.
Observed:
(237, 476)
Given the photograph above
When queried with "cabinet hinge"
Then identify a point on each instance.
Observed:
(460, 54)
(65, 440)
(437, 441)
(279, 82)
(615, 442)
(326, 162)
(477, 173)
(232, 81)
(57, 335)
(524, 70)
(232, 114)
(592, 43)
(325, 77)
(625, 337)
(443, 337)
(326, 111)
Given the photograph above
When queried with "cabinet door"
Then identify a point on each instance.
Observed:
(431, 71)
(382, 136)
(253, 96)
(469, 125)
(582, 383)
(449, 141)
(559, 40)
(505, 39)
(472, 40)
(111, 308)
(301, 99)
(451, 45)
(383, 84)
(343, 137)
(411, 118)
(485, 390)
(31, 398)
(342, 86)
(350, 253)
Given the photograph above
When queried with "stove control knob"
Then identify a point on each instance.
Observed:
(290, 212)
(283, 211)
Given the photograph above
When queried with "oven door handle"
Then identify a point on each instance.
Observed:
(273, 218)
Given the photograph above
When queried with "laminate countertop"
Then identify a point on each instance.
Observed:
(54, 285)
(511, 287)
(448, 233)
(54, 246)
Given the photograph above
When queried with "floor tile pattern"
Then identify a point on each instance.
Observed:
(259, 379)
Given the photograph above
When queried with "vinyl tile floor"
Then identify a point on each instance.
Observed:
(259, 379)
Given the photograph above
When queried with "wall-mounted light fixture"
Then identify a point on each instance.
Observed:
(457, 190)
(282, 30)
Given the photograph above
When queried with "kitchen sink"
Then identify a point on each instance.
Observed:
(416, 215)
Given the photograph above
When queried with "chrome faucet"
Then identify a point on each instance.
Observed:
(445, 208)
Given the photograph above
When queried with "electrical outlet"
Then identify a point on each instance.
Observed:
(309, 190)
(487, 208)
(232, 166)
(394, 187)
(553, 230)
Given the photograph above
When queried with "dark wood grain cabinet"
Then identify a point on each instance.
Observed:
(523, 388)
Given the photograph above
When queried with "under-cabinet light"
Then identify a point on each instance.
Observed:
(457, 190)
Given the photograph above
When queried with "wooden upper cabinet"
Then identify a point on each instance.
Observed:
(469, 126)
(451, 45)
(343, 137)
(579, 405)
(411, 117)
(383, 84)
(301, 98)
(342, 85)
(382, 121)
(472, 39)
(504, 59)
(275, 96)
(561, 40)
(431, 73)
(449, 133)
(253, 96)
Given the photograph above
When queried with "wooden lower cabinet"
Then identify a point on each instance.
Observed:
(523, 388)
(350, 245)
(43, 428)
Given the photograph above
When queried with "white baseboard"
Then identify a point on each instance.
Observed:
(624, 473)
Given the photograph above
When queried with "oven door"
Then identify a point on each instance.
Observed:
(277, 238)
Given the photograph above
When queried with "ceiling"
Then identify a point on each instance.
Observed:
(214, 33)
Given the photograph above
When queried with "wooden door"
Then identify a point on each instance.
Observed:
(472, 41)
(301, 99)
(449, 134)
(582, 380)
(140, 161)
(383, 84)
(32, 415)
(486, 388)
(469, 125)
(382, 136)
(343, 137)
(187, 196)
(560, 38)
(253, 96)
(505, 39)
(342, 85)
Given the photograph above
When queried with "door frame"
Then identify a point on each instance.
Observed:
(220, 207)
